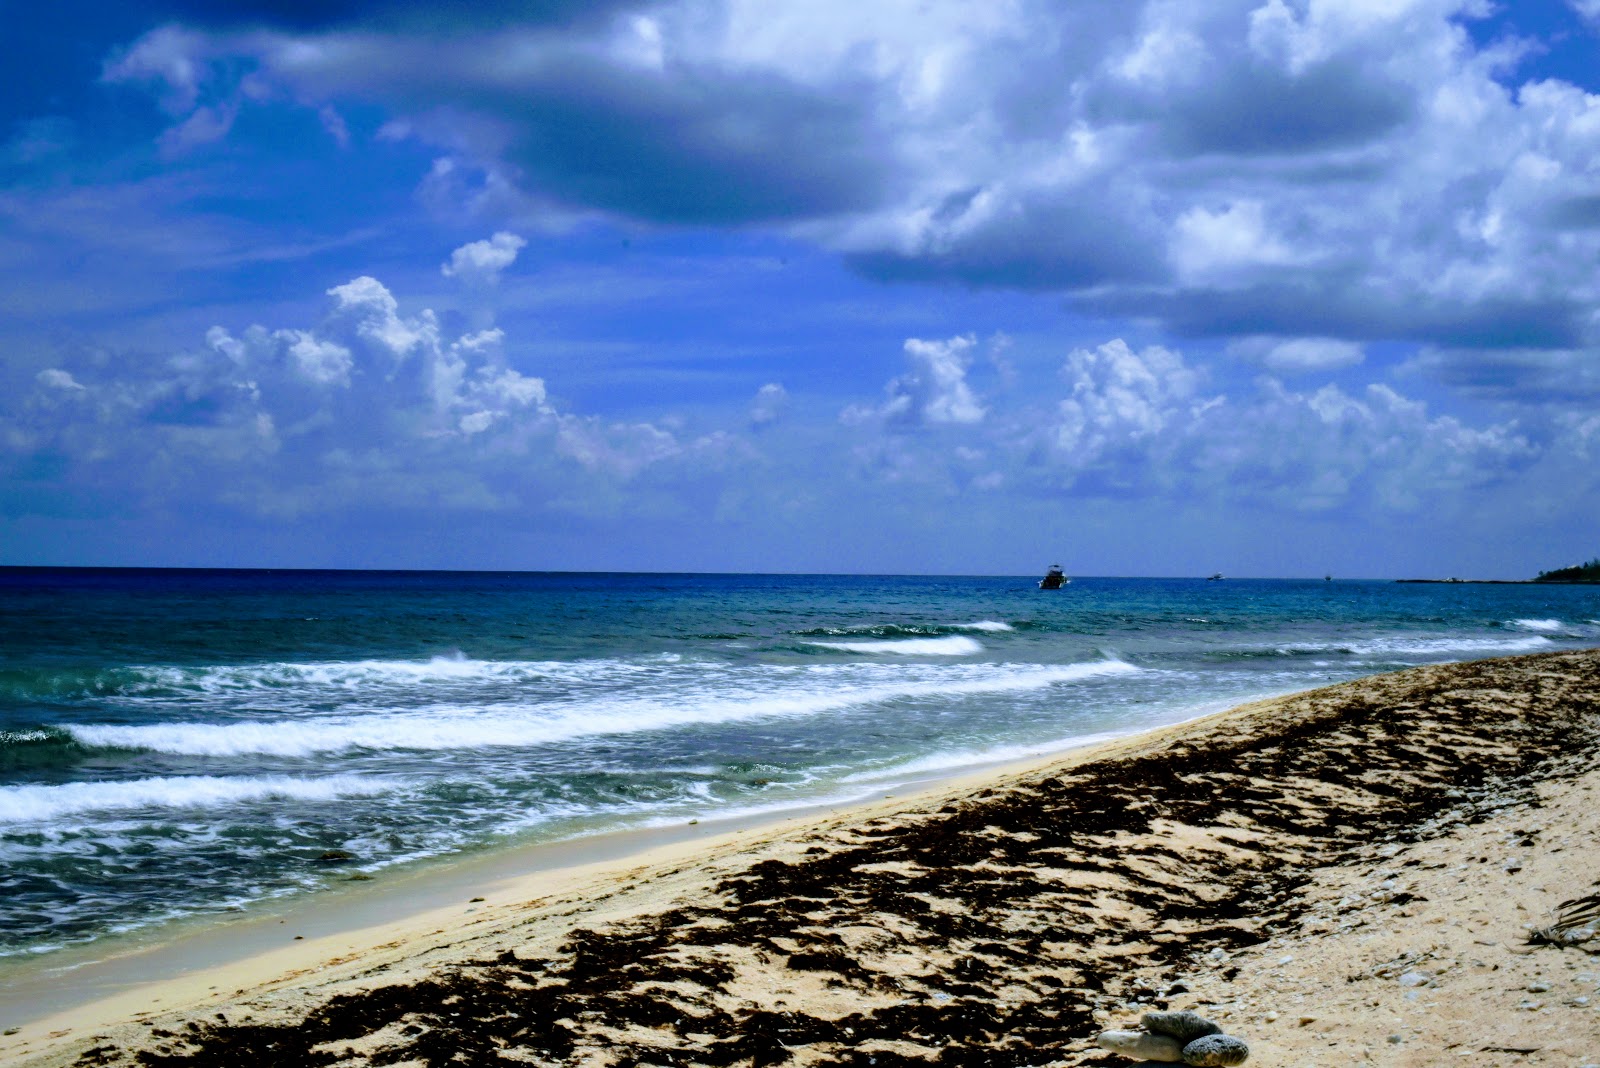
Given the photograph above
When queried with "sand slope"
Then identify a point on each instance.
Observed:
(1340, 877)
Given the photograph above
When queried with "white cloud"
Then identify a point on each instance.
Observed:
(1300, 355)
(480, 262)
(1121, 399)
(325, 363)
(768, 405)
(934, 392)
(170, 57)
(366, 306)
(203, 126)
(334, 123)
(1589, 9)
(55, 378)
(1219, 246)
(372, 406)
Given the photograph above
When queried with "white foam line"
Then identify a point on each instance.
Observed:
(357, 674)
(458, 728)
(29, 804)
(1423, 646)
(955, 645)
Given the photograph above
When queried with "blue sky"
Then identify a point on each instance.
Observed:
(1272, 288)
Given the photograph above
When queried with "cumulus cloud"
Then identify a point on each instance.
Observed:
(480, 262)
(1145, 423)
(1121, 399)
(934, 392)
(371, 406)
(1139, 420)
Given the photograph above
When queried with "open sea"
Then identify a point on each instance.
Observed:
(182, 743)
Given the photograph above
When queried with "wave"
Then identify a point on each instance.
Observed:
(954, 645)
(32, 804)
(161, 681)
(907, 630)
(38, 747)
(444, 728)
(1422, 646)
(1542, 625)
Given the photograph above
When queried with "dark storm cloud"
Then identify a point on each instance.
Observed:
(1323, 308)
(586, 127)
(1516, 375)
(1254, 112)
(1043, 246)
(719, 149)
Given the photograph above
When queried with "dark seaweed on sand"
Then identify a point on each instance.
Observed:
(1010, 960)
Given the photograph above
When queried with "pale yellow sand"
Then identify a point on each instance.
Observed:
(1229, 856)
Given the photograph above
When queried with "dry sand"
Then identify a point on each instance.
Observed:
(1341, 877)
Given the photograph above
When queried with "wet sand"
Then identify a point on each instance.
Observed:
(1345, 876)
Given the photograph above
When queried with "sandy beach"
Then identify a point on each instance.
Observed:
(1340, 877)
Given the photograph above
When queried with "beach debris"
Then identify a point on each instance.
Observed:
(1142, 1045)
(335, 856)
(1183, 1026)
(1173, 1037)
(1576, 920)
(1216, 1050)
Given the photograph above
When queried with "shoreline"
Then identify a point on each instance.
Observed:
(94, 984)
(838, 915)
(347, 918)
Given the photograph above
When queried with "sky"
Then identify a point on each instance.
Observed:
(898, 286)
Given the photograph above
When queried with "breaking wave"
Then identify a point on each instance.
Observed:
(907, 630)
(954, 645)
(1418, 646)
(32, 804)
(455, 727)
(166, 682)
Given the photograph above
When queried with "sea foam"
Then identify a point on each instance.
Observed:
(955, 645)
(31, 804)
(1421, 646)
(447, 727)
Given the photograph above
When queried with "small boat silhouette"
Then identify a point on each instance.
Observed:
(1054, 579)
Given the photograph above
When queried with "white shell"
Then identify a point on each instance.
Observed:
(1142, 1045)
(1216, 1050)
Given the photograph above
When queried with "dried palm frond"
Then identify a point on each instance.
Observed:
(1577, 920)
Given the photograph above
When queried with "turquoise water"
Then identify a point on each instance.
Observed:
(176, 743)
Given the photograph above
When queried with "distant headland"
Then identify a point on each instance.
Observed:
(1577, 574)
(1589, 572)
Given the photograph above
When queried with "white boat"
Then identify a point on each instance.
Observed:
(1054, 579)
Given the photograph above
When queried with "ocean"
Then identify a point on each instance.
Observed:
(179, 744)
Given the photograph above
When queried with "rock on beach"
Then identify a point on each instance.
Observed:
(1183, 1026)
(1216, 1050)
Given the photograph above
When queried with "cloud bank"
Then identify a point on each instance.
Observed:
(1314, 169)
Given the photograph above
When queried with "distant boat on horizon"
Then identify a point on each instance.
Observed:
(1217, 577)
(1054, 579)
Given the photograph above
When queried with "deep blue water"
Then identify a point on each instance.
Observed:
(174, 743)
